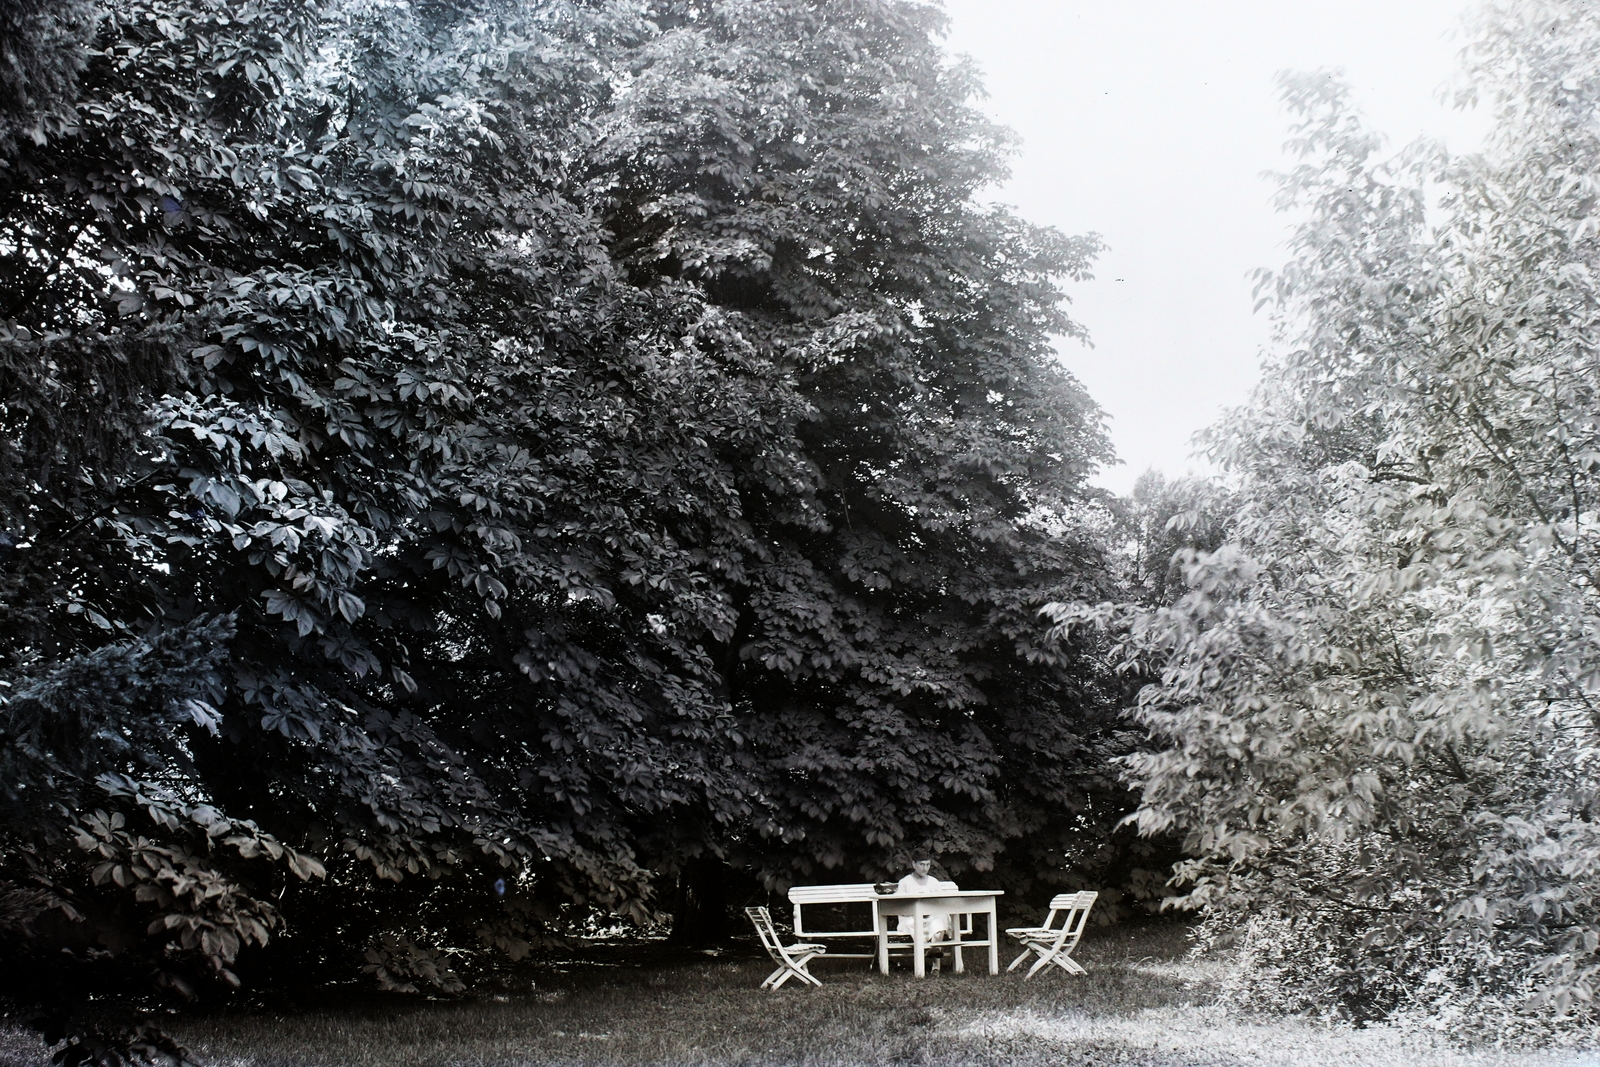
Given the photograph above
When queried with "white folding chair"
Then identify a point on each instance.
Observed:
(791, 961)
(1054, 944)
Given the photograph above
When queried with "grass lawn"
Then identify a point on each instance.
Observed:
(1142, 1003)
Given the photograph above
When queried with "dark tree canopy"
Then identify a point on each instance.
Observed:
(571, 444)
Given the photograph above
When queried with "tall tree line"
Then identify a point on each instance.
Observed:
(465, 461)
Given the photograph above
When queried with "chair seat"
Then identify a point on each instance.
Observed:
(803, 947)
(1031, 931)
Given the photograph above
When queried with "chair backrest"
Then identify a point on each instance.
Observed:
(853, 893)
(1076, 908)
(761, 919)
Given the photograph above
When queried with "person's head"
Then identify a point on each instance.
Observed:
(921, 863)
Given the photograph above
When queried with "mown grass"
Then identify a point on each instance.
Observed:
(1142, 1003)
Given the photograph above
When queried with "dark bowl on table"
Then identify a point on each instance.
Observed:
(884, 889)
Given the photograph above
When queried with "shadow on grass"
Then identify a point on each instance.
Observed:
(646, 1005)
(1141, 1003)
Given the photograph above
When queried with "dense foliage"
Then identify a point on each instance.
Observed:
(464, 461)
(1375, 703)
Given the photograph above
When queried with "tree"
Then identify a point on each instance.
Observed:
(1373, 705)
(232, 388)
(1157, 523)
(818, 182)
(472, 472)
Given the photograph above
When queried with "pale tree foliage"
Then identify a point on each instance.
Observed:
(1155, 523)
(1375, 712)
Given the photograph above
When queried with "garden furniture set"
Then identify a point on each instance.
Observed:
(945, 910)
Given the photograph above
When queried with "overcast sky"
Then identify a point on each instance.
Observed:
(1150, 122)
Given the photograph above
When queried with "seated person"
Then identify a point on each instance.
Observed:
(921, 882)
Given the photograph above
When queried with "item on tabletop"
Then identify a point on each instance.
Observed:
(884, 889)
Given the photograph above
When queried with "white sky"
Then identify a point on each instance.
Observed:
(1150, 122)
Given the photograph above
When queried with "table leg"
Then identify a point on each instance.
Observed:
(994, 937)
(919, 966)
(880, 923)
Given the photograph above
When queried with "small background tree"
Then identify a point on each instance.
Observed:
(1374, 704)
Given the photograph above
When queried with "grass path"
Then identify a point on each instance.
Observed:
(1142, 1004)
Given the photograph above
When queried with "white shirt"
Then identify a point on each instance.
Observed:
(918, 884)
(936, 926)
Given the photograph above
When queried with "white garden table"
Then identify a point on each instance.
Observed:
(920, 907)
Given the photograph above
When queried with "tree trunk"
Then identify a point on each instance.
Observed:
(700, 906)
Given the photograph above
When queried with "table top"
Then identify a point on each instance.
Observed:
(847, 894)
(898, 895)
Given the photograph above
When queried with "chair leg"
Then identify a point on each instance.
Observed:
(804, 967)
(1044, 958)
(783, 974)
(1016, 962)
(1060, 959)
(1072, 966)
